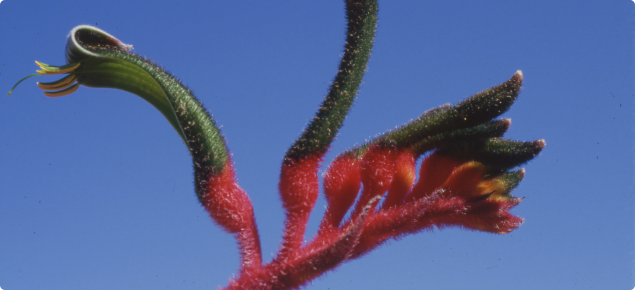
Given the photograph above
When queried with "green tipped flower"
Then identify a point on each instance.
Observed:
(62, 87)
(98, 59)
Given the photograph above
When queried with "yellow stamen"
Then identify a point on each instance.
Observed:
(58, 85)
(54, 70)
(63, 92)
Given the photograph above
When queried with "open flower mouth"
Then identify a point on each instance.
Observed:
(89, 39)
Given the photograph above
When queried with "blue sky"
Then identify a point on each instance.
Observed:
(96, 188)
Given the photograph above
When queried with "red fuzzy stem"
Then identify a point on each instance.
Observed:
(435, 169)
(377, 172)
(405, 219)
(230, 207)
(488, 216)
(299, 191)
(404, 179)
(437, 210)
(324, 253)
(342, 182)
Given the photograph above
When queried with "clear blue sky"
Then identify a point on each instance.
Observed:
(96, 188)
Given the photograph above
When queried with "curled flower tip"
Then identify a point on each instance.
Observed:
(67, 91)
(58, 85)
(63, 87)
(55, 70)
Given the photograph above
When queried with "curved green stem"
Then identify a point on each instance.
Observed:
(318, 135)
(302, 159)
(106, 63)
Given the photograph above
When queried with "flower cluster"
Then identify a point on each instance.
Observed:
(373, 191)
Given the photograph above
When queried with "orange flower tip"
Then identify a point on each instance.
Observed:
(485, 196)
(541, 143)
(518, 76)
(507, 122)
(53, 70)
(521, 173)
(63, 92)
(58, 85)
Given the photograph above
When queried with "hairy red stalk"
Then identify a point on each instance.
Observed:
(230, 207)
(434, 171)
(406, 219)
(299, 190)
(404, 179)
(377, 174)
(342, 182)
(322, 254)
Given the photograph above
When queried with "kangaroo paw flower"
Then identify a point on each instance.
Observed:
(373, 191)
